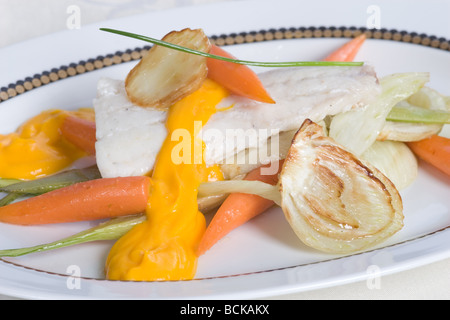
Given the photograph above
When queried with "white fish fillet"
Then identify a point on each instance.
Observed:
(300, 93)
(129, 137)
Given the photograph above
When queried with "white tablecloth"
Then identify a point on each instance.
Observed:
(25, 19)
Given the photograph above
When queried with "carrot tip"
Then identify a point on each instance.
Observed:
(238, 79)
(349, 50)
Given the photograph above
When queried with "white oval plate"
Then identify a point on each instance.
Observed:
(263, 258)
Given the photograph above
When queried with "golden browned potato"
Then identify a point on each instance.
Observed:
(165, 76)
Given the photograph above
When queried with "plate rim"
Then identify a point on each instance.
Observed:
(371, 251)
(190, 289)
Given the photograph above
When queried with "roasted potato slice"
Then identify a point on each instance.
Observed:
(334, 201)
(165, 76)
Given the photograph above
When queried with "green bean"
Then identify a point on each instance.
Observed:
(110, 230)
(50, 183)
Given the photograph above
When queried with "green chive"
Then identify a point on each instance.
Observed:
(243, 62)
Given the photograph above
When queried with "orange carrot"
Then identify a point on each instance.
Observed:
(435, 151)
(238, 79)
(236, 210)
(85, 201)
(80, 132)
(348, 51)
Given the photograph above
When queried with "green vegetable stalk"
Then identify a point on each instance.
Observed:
(50, 183)
(415, 114)
(111, 230)
(16, 189)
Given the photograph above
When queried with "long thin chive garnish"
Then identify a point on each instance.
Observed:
(243, 62)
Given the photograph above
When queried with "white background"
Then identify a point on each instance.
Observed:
(25, 19)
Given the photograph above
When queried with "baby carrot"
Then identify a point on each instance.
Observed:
(85, 201)
(348, 51)
(435, 151)
(236, 210)
(238, 79)
(80, 132)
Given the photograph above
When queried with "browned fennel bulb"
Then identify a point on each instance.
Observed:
(334, 201)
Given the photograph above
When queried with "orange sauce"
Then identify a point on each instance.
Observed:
(37, 148)
(163, 247)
